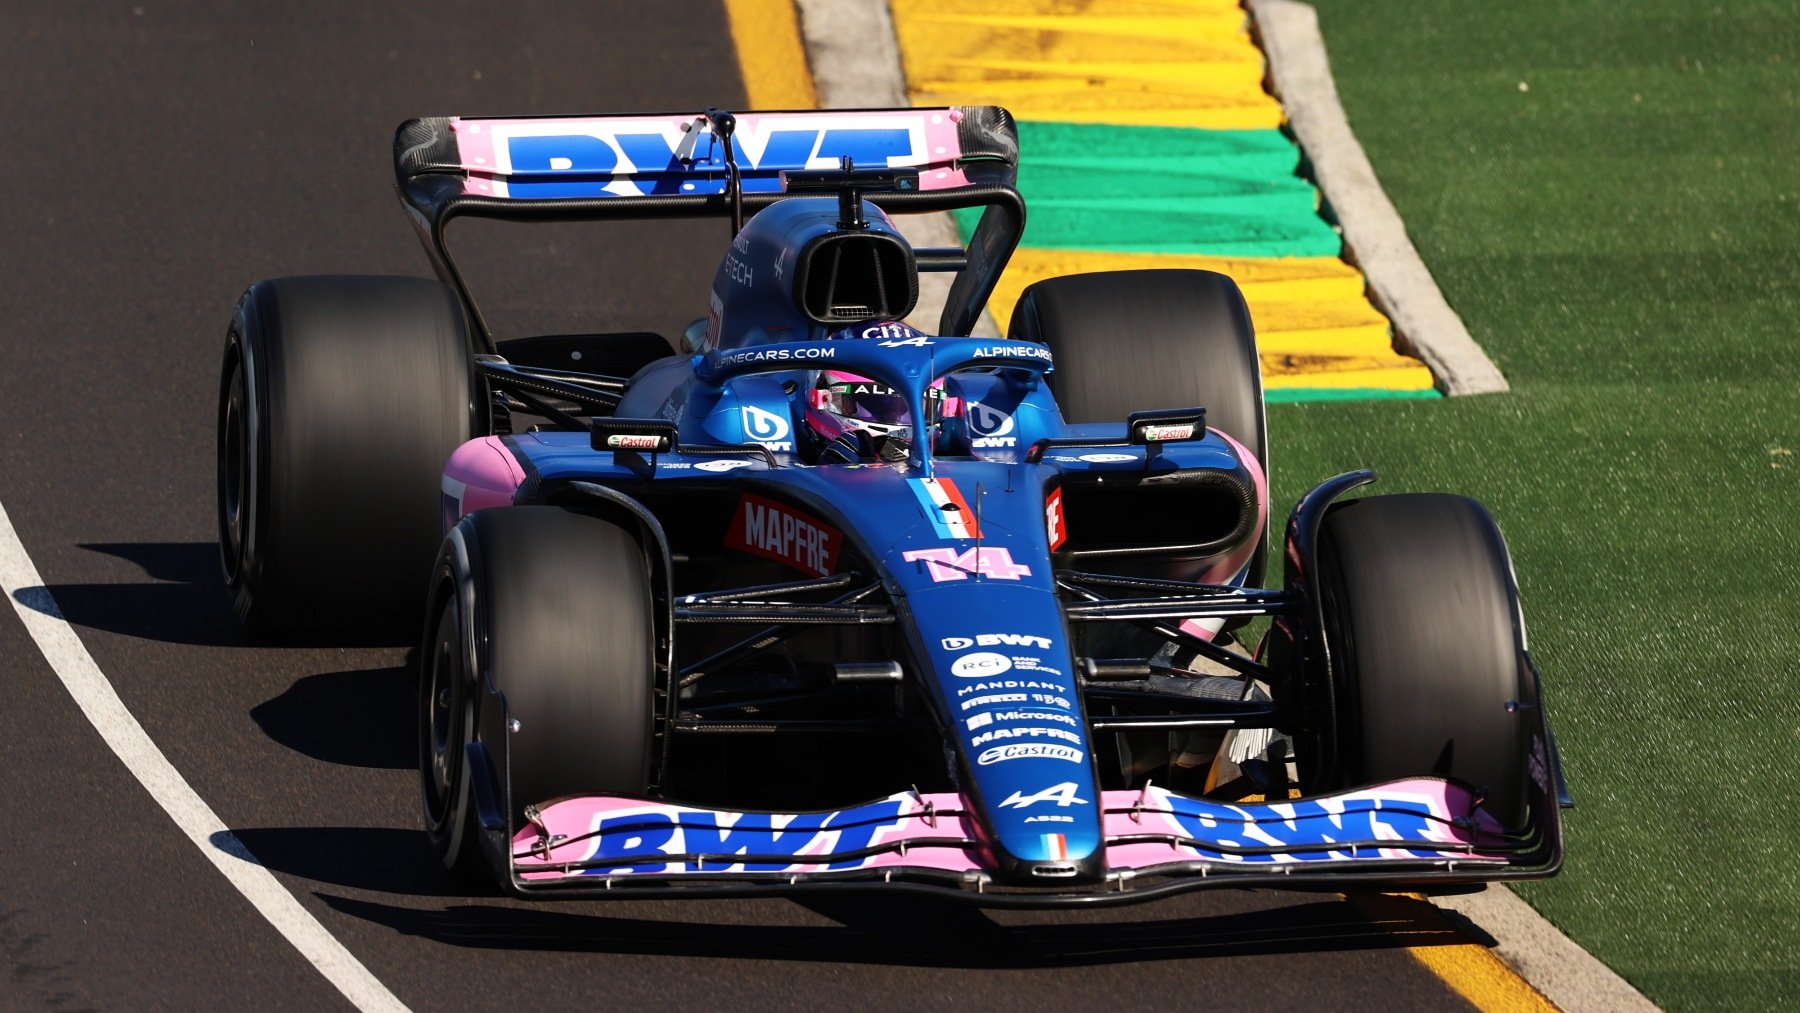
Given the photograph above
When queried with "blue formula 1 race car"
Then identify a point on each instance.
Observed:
(824, 601)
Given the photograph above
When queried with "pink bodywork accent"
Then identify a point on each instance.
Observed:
(1228, 566)
(934, 832)
(934, 129)
(480, 474)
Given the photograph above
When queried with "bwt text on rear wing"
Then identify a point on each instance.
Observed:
(673, 165)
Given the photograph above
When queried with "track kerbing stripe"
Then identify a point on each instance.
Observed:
(89, 687)
(766, 35)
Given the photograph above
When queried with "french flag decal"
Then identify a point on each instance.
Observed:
(946, 508)
(1056, 848)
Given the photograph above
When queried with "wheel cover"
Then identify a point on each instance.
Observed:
(444, 721)
(234, 474)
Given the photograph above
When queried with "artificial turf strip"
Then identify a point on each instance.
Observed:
(1606, 193)
(1166, 190)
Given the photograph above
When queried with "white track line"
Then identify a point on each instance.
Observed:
(1375, 238)
(43, 619)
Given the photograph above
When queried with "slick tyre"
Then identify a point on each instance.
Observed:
(339, 400)
(563, 606)
(1126, 341)
(1425, 634)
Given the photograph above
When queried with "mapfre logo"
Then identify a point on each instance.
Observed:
(777, 531)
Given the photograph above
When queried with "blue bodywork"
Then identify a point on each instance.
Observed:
(975, 594)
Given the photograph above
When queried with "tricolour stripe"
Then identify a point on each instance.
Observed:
(945, 507)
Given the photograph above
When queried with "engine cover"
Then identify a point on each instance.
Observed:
(794, 272)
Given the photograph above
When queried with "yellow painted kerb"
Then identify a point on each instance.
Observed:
(766, 34)
(1471, 970)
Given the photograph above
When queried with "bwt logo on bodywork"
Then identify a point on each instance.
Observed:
(996, 640)
(626, 158)
(949, 564)
(777, 531)
(990, 427)
(649, 840)
(766, 428)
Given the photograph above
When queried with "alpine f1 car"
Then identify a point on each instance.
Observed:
(823, 601)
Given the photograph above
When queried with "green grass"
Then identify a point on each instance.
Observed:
(1623, 237)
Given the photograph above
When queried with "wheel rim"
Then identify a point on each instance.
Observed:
(443, 720)
(234, 474)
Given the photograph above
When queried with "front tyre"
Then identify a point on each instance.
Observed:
(1424, 630)
(545, 619)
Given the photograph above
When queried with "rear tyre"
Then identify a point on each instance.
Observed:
(340, 399)
(1127, 341)
(563, 602)
(1424, 630)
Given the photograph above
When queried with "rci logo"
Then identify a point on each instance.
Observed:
(981, 664)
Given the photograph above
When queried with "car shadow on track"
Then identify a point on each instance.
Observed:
(377, 859)
(361, 718)
(925, 933)
(185, 602)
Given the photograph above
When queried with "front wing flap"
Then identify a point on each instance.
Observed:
(1414, 831)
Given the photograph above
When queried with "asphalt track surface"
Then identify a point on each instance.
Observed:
(162, 158)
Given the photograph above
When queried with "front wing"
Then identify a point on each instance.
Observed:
(1419, 831)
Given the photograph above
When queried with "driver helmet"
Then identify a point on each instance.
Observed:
(845, 404)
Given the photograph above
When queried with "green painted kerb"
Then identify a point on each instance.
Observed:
(1229, 193)
(1294, 395)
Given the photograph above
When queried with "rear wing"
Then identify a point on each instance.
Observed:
(671, 165)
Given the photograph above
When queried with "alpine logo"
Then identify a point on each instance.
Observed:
(763, 527)
(1064, 795)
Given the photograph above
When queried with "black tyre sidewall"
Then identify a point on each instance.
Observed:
(1422, 622)
(563, 628)
(1126, 341)
(358, 389)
